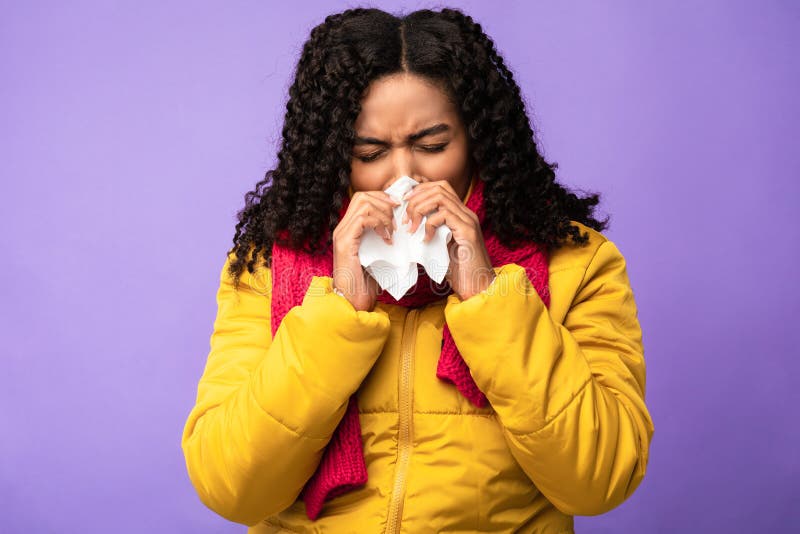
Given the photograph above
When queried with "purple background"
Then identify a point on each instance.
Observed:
(130, 133)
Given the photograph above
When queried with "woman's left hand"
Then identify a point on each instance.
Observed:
(470, 270)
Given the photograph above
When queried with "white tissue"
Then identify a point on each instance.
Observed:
(394, 266)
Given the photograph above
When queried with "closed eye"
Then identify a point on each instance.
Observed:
(426, 148)
(370, 157)
(434, 148)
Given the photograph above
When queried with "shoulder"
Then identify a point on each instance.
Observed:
(260, 280)
(571, 255)
(596, 271)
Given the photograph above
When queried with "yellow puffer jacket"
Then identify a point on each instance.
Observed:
(566, 433)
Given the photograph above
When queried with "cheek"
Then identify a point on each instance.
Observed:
(450, 164)
(362, 177)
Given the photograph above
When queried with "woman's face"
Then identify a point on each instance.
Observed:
(408, 127)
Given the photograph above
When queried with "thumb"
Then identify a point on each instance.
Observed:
(372, 284)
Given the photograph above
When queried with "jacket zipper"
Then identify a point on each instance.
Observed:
(405, 409)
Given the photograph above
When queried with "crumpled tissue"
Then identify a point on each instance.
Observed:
(394, 266)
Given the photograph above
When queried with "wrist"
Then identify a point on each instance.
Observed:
(479, 291)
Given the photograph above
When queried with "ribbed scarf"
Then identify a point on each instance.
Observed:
(342, 467)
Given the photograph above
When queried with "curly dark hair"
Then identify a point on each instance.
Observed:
(303, 195)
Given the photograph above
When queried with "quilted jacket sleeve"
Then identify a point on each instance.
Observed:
(266, 408)
(571, 396)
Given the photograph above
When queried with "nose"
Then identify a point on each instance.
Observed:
(402, 164)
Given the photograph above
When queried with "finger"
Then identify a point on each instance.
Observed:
(456, 223)
(365, 217)
(379, 200)
(447, 188)
(427, 187)
(411, 214)
(378, 224)
(372, 206)
(432, 191)
(432, 203)
(385, 201)
(382, 197)
(350, 230)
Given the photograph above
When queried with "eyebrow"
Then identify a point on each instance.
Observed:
(435, 129)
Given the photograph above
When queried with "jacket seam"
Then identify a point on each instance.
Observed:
(284, 425)
(581, 265)
(270, 522)
(567, 268)
(586, 269)
(558, 413)
(430, 413)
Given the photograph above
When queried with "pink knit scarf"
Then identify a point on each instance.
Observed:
(342, 467)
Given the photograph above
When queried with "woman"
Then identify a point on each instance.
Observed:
(508, 397)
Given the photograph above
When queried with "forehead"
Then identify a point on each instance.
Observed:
(402, 104)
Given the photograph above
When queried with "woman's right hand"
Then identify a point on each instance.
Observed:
(368, 211)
